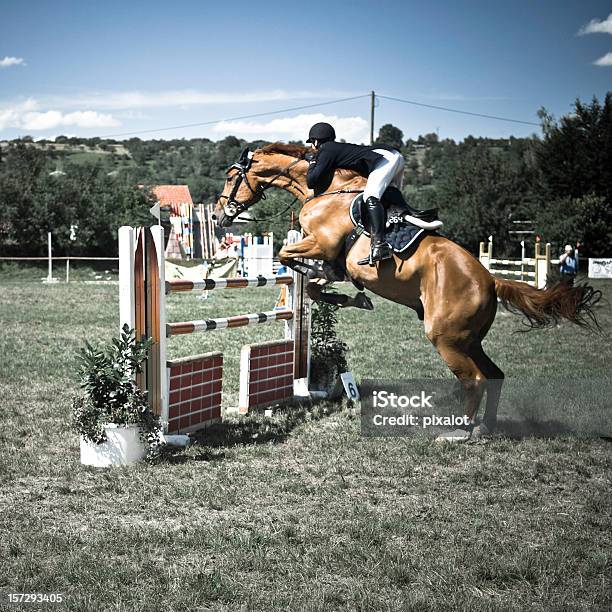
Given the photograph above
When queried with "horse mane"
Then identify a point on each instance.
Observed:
(299, 152)
(293, 150)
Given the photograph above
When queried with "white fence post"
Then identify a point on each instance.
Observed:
(50, 278)
(485, 255)
(298, 328)
(127, 249)
(157, 232)
(543, 265)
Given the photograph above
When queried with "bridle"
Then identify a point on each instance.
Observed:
(233, 208)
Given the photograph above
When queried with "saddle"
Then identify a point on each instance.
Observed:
(405, 224)
(393, 198)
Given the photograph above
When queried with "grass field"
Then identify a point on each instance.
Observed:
(299, 512)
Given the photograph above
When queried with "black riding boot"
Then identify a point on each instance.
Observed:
(379, 249)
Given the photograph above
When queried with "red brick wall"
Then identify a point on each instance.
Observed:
(266, 374)
(194, 388)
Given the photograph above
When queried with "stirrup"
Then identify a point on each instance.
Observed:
(378, 252)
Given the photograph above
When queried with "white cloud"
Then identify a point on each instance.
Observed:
(595, 26)
(605, 60)
(41, 121)
(8, 117)
(8, 61)
(52, 119)
(112, 109)
(125, 100)
(132, 115)
(90, 119)
(11, 116)
(30, 104)
(25, 116)
(451, 97)
(352, 129)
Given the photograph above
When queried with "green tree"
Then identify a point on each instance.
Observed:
(391, 135)
(21, 211)
(569, 220)
(574, 160)
(477, 192)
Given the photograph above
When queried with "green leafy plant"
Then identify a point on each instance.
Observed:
(328, 352)
(111, 395)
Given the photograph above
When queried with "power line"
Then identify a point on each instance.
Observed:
(454, 110)
(252, 116)
(327, 103)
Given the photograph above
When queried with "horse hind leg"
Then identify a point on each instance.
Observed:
(495, 381)
(471, 377)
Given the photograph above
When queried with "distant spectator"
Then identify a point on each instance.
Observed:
(282, 269)
(568, 264)
(225, 249)
(281, 302)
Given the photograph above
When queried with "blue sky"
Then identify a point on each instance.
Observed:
(100, 69)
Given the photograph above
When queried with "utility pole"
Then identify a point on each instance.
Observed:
(372, 102)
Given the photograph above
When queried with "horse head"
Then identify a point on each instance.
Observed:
(249, 177)
(242, 189)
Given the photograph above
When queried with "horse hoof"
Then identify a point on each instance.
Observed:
(363, 301)
(454, 437)
(314, 274)
(481, 431)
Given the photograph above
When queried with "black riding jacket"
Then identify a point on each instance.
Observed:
(333, 155)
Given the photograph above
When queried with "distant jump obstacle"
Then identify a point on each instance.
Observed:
(532, 270)
(186, 393)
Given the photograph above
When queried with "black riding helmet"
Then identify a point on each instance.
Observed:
(321, 132)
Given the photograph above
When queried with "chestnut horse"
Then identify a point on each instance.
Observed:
(450, 290)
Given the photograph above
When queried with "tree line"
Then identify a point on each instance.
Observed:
(558, 185)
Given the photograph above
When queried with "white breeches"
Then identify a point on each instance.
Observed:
(388, 171)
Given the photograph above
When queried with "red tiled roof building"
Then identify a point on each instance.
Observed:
(172, 197)
(177, 199)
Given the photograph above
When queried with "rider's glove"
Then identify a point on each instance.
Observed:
(310, 157)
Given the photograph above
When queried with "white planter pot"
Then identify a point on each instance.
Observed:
(122, 447)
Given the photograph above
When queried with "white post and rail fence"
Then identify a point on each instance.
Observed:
(50, 259)
(532, 270)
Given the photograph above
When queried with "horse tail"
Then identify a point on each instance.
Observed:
(546, 307)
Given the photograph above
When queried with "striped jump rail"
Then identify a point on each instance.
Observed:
(514, 262)
(190, 327)
(207, 284)
(512, 272)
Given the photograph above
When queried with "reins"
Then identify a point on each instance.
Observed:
(320, 195)
(233, 209)
(282, 212)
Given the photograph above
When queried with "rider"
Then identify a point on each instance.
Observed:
(381, 164)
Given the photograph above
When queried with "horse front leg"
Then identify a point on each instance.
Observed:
(308, 248)
(315, 292)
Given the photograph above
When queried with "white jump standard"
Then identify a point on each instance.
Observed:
(532, 270)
